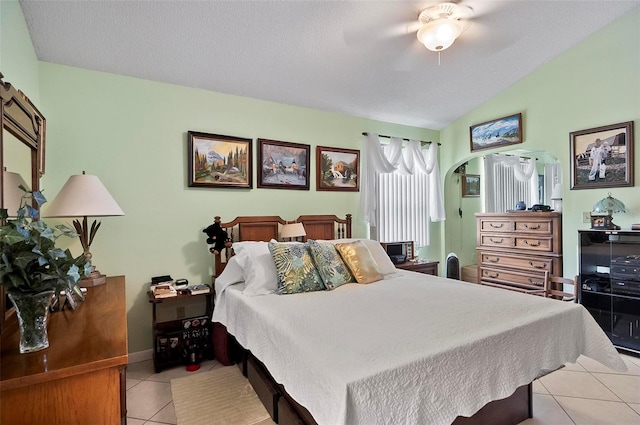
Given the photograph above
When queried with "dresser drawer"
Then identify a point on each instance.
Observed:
(517, 262)
(496, 225)
(497, 240)
(534, 243)
(522, 279)
(544, 227)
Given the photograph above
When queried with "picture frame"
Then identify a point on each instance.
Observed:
(607, 163)
(283, 165)
(496, 133)
(470, 185)
(337, 169)
(218, 161)
(602, 222)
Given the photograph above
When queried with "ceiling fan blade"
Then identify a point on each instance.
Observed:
(373, 35)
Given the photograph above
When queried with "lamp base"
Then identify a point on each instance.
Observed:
(95, 278)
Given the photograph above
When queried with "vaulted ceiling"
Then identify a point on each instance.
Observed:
(353, 57)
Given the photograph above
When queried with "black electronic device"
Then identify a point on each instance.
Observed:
(540, 207)
(161, 279)
(595, 286)
(399, 250)
(398, 259)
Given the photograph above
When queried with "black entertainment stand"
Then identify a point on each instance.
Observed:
(610, 283)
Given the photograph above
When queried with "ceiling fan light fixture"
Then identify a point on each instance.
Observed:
(439, 34)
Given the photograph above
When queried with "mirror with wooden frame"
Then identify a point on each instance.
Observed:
(22, 144)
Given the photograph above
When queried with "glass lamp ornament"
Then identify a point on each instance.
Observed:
(606, 207)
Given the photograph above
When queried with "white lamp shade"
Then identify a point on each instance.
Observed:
(83, 195)
(439, 34)
(293, 230)
(11, 193)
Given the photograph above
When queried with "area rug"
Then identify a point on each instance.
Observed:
(218, 397)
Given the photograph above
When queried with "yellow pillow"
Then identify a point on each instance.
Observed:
(360, 261)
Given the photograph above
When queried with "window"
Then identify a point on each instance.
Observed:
(403, 207)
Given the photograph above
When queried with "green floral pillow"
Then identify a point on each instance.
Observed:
(295, 268)
(333, 271)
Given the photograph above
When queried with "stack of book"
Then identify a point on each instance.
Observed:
(164, 290)
(198, 289)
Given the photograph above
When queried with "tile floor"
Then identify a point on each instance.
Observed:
(582, 393)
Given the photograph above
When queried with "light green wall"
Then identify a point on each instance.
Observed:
(133, 134)
(593, 84)
(19, 65)
(18, 61)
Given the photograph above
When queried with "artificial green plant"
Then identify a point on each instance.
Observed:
(31, 262)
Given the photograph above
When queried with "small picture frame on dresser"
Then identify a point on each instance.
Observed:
(601, 222)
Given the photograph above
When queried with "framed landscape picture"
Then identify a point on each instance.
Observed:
(219, 161)
(602, 156)
(337, 169)
(470, 186)
(496, 133)
(283, 165)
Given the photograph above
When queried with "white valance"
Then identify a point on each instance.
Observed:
(408, 160)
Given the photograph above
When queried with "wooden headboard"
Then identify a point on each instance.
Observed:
(265, 228)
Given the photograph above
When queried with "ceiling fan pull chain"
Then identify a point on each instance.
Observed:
(438, 58)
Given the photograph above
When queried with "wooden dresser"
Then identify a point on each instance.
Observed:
(80, 378)
(516, 248)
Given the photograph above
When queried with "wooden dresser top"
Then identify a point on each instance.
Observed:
(92, 337)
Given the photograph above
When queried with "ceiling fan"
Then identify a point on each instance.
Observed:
(436, 27)
(439, 25)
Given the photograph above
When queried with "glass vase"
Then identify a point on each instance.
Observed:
(33, 315)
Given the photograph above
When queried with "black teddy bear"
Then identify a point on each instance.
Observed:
(217, 237)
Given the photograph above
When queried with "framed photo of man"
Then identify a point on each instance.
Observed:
(602, 156)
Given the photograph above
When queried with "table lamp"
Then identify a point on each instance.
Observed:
(609, 205)
(11, 192)
(292, 231)
(84, 195)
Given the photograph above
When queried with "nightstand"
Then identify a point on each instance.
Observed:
(173, 339)
(422, 266)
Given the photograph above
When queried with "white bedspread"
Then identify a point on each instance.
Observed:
(414, 349)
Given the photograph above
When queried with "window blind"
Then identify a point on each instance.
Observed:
(403, 207)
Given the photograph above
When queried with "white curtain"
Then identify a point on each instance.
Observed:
(403, 161)
(552, 176)
(508, 180)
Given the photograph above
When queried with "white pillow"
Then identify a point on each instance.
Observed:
(259, 270)
(383, 262)
(231, 274)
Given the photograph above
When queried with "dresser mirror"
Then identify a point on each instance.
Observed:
(22, 143)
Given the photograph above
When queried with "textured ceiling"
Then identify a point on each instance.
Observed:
(353, 57)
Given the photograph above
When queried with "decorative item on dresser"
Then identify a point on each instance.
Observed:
(516, 248)
(80, 378)
(84, 195)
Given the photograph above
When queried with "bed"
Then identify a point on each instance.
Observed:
(408, 349)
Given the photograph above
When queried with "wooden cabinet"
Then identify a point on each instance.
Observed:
(610, 283)
(515, 249)
(423, 266)
(80, 378)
